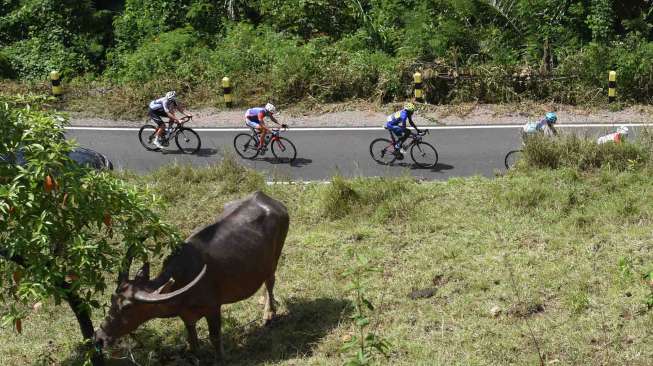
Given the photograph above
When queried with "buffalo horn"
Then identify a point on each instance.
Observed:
(144, 273)
(144, 296)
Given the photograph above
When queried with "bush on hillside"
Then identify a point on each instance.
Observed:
(583, 154)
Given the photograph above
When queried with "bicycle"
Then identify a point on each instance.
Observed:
(511, 158)
(182, 135)
(247, 145)
(424, 155)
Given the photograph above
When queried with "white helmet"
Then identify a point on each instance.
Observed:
(623, 130)
(171, 95)
(271, 108)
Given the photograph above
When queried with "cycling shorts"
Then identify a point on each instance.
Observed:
(156, 114)
(252, 124)
(396, 129)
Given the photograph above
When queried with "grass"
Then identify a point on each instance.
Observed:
(538, 263)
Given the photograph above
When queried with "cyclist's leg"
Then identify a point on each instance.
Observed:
(256, 126)
(155, 116)
(405, 133)
(263, 130)
(398, 132)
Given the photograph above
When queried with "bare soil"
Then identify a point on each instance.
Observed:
(362, 114)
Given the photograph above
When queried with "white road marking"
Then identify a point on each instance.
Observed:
(301, 129)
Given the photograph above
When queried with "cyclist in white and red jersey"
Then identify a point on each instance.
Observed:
(255, 118)
(165, 107)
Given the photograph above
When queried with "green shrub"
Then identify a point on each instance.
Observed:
(584, 154)
(168, 54)
(6, 70)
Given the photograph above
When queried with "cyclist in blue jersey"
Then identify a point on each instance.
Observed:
(255, 118)
(396, 123)
(164, 107)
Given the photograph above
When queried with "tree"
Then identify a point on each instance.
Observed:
(63, 227)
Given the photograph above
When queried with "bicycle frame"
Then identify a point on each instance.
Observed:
(413, 139)
(274, 132)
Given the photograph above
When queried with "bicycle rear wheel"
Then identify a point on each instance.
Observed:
(188, 141)
(246, 146)
(424, 154)
(146, 136)
(511, 158)
(284, 150)
(382, 151)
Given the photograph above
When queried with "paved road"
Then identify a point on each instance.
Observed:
(321, 154)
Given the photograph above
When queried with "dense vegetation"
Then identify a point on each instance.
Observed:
(331, 50)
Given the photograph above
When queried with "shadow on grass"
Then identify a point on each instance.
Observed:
(294, 333)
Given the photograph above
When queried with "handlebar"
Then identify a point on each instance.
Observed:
(277, 129)
(185, 119)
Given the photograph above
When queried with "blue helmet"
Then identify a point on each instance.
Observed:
(551, 117)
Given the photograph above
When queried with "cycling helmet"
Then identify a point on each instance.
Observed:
(271, 108)
(551, 117)
(171, 95)
(623, 130)
(410, 107)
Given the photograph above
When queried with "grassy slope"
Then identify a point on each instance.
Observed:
(576, 247)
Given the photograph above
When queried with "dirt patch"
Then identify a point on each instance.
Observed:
(423, 293)
(524, 310)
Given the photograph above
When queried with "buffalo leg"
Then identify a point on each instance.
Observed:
(192, 335)
(270, 305)
(215, 332)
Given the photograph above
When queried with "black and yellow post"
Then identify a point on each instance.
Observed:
(612, 86)
(417, 84)
(226, 90)
(55, 79)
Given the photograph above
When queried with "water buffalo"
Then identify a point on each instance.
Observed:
(220, 263)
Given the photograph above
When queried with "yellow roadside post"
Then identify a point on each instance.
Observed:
(226, 90)
(612, 86)
(55, 79)
(417, 82)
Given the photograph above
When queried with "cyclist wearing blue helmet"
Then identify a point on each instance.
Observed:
(546, 125)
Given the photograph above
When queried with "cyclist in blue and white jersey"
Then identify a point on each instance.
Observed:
(255, 118)
(396, 123)
(546, 125)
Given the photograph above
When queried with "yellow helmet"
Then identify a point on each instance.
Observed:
(410, 107)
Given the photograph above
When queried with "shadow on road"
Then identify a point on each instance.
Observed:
(437, 168)
(201, 152)
(297, 163)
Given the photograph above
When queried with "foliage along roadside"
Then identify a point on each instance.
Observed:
(469, 50)
(64, 226)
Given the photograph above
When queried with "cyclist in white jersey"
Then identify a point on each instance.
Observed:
(165, 107)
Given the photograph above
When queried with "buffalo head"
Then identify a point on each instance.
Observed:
(137, 301)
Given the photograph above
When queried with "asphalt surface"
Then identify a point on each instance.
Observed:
(322, 154)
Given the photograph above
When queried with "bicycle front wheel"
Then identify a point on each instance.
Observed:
(424, 155)
(246, 146)
(382, 151)
(146, 136)
(188, 141)
(511, 158)
(284, 150)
